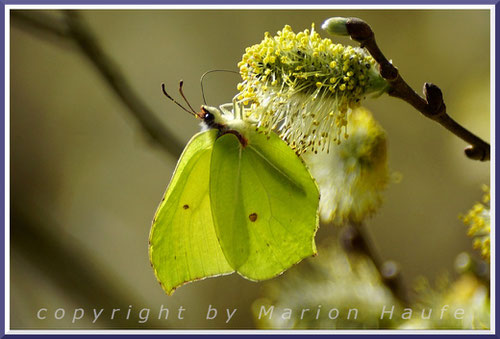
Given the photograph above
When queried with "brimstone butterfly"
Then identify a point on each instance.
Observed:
(238, 201)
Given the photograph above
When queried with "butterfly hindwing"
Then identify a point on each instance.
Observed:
(183, 245)
(264, 203)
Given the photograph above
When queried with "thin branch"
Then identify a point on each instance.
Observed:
(432, 106)
(74, 28)
(74, 271)
(41, 21)
(354, 239)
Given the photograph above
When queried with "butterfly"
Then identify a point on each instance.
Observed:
(239, 201)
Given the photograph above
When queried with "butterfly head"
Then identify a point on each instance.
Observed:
(212, 117)
(224, 120)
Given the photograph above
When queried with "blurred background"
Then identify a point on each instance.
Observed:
(86, 179)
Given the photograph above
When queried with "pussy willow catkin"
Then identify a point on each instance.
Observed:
(304, 86)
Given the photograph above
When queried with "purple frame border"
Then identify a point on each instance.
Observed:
(3, 3)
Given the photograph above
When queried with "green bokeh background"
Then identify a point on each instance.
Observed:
(85, 182)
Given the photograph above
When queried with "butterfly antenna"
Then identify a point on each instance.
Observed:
(207, 72)
(175, 101)
(184, 97)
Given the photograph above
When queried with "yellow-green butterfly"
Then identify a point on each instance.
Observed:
(238, 201)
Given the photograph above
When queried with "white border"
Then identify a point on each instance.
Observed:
(492, 171)
(7, 169)
(8, 8)
(236, 6)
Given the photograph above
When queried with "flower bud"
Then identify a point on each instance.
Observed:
(335, 26)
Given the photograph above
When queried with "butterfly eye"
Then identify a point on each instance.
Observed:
(208, 118)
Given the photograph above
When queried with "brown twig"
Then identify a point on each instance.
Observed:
(353, 239)
(37, 238)
(432, 106)
(75, 29)
(41, 21)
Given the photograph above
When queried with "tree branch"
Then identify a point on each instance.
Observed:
(432, 106)
(86, 281)
(41, 21)
(74, 28)
(354, 239)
